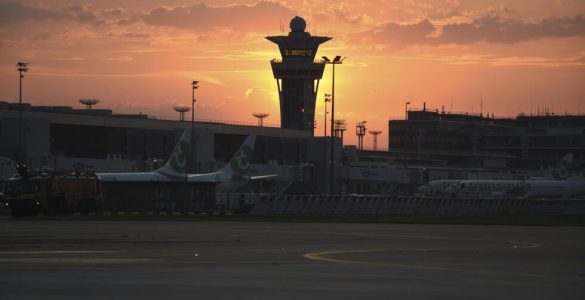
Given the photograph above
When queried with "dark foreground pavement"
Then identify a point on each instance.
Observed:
(41, 259)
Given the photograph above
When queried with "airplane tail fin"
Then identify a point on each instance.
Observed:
(561, 170)
(177, 163)
(240, 162)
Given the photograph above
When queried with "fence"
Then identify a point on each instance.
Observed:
(354, 205)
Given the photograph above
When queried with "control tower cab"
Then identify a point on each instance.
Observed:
(297, 75)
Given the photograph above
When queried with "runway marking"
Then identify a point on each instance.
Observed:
(58, 258)
(57, 252)
(324, 255)
(84, 261)
(525, 245)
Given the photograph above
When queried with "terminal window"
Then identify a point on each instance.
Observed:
(297, 52)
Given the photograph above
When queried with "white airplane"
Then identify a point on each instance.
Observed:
(173, 170)
(437, 187)
(228, 178)
(235, 173)
(569, 187)
(450, 187)
(560, 171)
(573, 186)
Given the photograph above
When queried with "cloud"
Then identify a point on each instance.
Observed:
(202, 17)
(81, 14)
(495, 29)
(124, 58)
(400, 35)
(491, 28)
(248, 92)
(13, 12)
(345, 17)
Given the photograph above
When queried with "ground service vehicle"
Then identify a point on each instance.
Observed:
(52, 193)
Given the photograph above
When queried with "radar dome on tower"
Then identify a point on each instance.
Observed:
(298, 24)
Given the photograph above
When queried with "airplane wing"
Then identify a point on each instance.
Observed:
(210, 177)
(263, 177)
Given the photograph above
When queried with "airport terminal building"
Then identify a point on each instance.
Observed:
(476, 141)
(64, 138)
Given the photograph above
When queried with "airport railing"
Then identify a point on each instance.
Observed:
(372, 205)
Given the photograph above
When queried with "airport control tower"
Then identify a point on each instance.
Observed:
(297, 75)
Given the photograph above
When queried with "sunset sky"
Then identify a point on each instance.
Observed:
(141, 55)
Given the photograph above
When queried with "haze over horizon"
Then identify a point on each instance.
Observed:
(140, 56)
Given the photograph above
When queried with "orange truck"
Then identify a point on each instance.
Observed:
(31, 194)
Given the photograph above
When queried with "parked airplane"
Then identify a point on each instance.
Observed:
(560, 171)
(235, 173)
(228, 178)
(572, 186)
(448, 187)
(173, 170)
(569, 187)
(437, 187)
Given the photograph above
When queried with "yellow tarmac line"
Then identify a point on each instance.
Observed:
(525, 245)
(84, 261)
(57, 252)
(324, 255)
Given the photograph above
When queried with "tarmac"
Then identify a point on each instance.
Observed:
(82, 259)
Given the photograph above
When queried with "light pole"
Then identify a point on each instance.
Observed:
(326, 100)
(325, 167)
(22, 67)
(195, 85)
(406, 110)
(336, 61)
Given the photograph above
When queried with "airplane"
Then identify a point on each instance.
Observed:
(539, 188)
(448, 187)
(173, 170)
(235, 173)
(437, 187)
(572, 186)
(560, 171)
(229, 178)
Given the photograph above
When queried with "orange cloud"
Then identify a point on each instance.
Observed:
(488, 29)
(202, 17)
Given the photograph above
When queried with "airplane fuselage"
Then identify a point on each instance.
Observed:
(138, 177)
(527, 188)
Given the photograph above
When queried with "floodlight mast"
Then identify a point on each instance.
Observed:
(22, 67)
(336, 61)
(340, 127)
(326, 100)
(195, 85)
(360, 131)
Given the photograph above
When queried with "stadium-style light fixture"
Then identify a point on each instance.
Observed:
(336, 61)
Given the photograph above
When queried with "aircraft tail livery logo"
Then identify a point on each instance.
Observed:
(561, 172)
(241, 160)
(179, 157)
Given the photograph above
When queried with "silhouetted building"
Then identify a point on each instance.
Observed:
(482, 142)
(297, 75)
